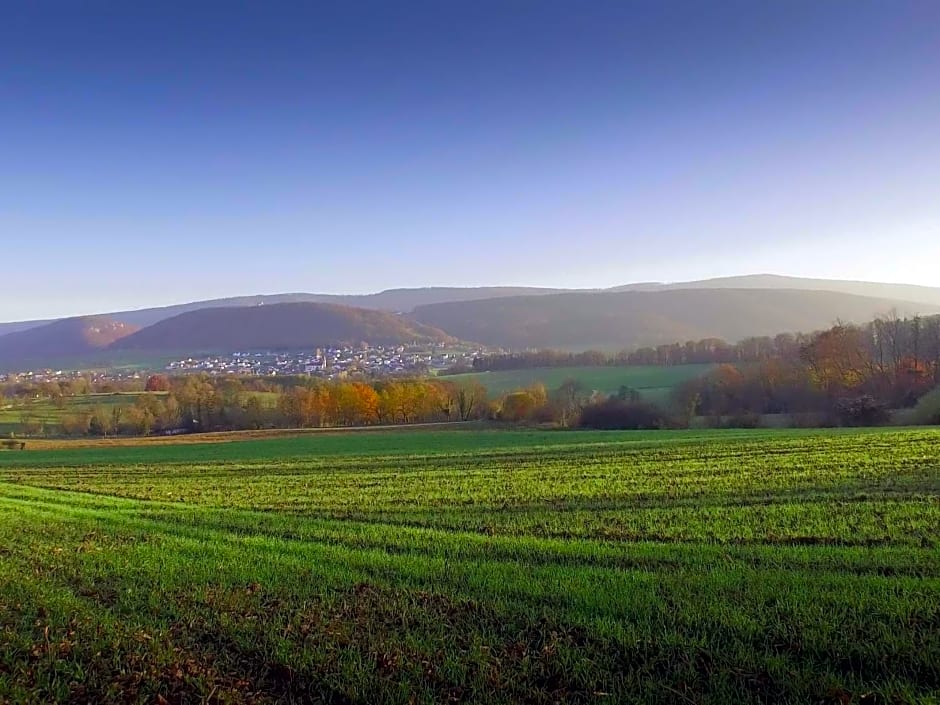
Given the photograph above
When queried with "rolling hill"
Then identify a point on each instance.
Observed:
(510, 317)
(407, 300)
(17, 326)
(392, 300)
(278, 326)
(67, 338)
(616, 320)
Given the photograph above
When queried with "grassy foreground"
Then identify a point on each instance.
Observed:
(495, 566)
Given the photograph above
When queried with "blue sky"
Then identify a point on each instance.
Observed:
(153, 153)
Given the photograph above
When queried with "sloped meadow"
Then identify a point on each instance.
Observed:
(542, 567)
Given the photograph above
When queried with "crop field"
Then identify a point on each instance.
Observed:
(654, 382)
(487, 566)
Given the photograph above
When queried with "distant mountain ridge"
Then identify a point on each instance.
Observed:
(903, 292)
(509, 317)
(408, 299)
(618, 320)
(392, 300)
(278, 326)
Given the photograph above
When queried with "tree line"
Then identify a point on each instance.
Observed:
(847, 375)
(24, 388)
(888, 338)
(198, 404)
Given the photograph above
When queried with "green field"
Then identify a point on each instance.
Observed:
(654, 382)
(493, 566)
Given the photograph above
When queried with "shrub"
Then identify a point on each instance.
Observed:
(75, 424)
(927, 411)
(862, 411)
(517, 406)
(812, 419)
(548, 413)
(745, 419)
(618, 414)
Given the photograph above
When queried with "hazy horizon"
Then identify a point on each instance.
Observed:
(158, 155)
(247, 294)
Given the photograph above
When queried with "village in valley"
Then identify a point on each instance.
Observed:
(334, 362)
(337, 362)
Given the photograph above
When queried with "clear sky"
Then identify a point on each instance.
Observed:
(154, 153)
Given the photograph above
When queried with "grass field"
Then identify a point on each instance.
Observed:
(654, 382)
(497, 566)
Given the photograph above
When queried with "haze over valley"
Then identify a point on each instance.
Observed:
(514, 318)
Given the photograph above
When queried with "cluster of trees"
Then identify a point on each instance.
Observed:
(846, 374)
(148, 414)
(538, 358)
(572, 404)
(718, 351)
(618, 413)
(704, 351)
(385, 402)
(200, 403)
(849, 374)
(890, 338)
(563, 407)
(58, 391)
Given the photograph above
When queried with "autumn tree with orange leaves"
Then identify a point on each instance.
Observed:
(838, 360)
